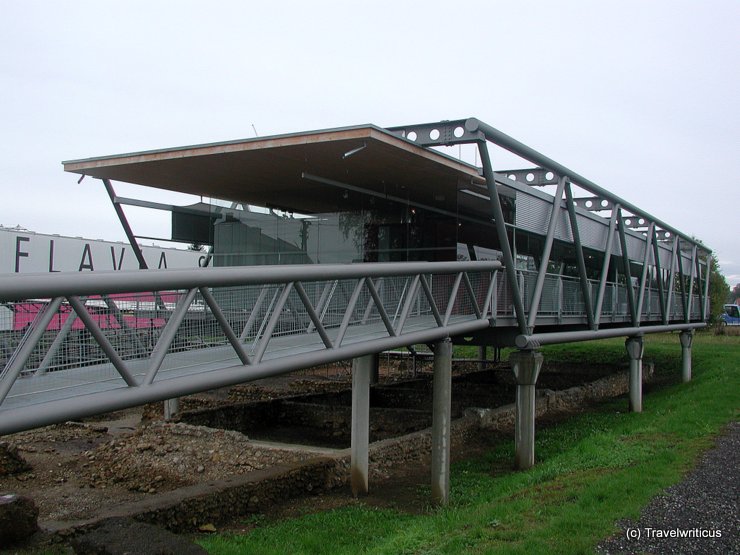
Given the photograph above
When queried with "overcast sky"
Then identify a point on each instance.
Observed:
(639, 96)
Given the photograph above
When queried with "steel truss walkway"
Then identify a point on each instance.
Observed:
(228, 325)
(105, 341)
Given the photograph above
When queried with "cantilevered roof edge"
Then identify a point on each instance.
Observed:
(368, 131)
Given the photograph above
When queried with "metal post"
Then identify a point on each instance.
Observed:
(705, 307)
(687, 338)
(644, 275)
(126, 227)
(482, 356)
(545, 258)
(441, 421)
(692, 267)
(526, 366)
(362, 370)
(585, 287)
(671, 280)
(682, 282)
(605, 267)
(659, 279)
(700, 287)
(627, 272)
(498, 215)
(635, 349)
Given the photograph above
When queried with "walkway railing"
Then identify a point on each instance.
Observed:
(113, 340)
(127, 338)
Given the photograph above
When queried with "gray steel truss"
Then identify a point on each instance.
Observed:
(388, 306)
(107, 341)
(593, 220)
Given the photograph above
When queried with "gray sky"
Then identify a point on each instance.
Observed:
(639, 96)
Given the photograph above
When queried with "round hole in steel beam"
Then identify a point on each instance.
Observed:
(627, 222)
(411, 136)
(458, 132)
(667, 234)
(530, 177)
(549, 175)
(589, 204)
(604, 203)
(641, 221)
(434, 134)
(512, 177)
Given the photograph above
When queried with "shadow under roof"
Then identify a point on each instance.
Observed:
(280, 171)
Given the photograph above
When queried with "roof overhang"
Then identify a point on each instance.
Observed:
(308, 172)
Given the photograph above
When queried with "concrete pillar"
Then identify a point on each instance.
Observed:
(171, 408)
(362, 371)
(375, 377)
(526, 366)
(482, 356)
(441, 421)
(687, 337)
(635, 349)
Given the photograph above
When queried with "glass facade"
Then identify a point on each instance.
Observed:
(376, 230)
(382, 232)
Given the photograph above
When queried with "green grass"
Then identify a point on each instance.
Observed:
(591, 471)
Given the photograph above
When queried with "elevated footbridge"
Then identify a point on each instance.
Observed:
(226, 326)
(339, 244)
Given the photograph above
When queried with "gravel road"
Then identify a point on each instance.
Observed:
(703, 508)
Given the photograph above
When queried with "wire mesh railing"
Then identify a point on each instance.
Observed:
(92, 334)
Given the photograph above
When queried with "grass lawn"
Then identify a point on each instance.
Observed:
(591, 471)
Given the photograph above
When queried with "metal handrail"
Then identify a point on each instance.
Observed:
(16, 287)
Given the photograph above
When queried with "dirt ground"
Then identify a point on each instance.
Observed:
(77, 468)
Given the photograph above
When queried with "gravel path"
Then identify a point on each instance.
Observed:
(703, 509)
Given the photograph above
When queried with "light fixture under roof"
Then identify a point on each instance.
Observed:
(354, 151)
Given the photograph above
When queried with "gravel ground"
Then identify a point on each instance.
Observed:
(703, 508)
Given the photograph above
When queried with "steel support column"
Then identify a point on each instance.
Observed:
(526, 366)
(687, 338)
(441, 421)
(362, 371)
(659, 279)
(671, 281)
(126, 227)
(605, 266)
(644, 275)
(498, 216)
(700, 286)
(585, 290)
(692, 272)
(682, 283)
(635, 349)
(705, 307)
(627, 272)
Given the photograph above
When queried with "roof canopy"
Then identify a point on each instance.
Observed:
(305, 172)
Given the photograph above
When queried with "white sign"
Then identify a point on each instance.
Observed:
(23, 252)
